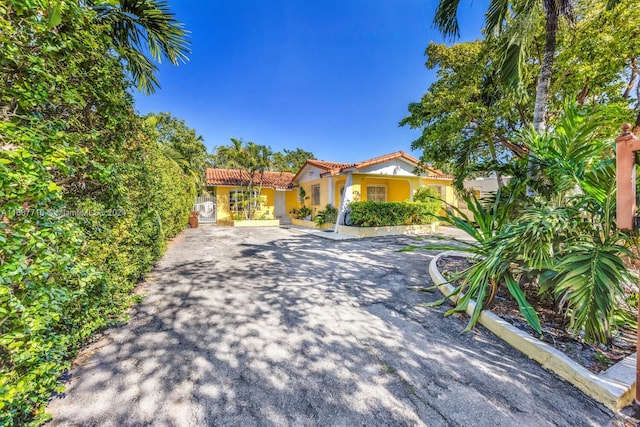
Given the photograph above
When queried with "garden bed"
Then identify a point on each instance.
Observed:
(593, 369)
(595, 358)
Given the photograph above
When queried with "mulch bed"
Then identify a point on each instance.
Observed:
(595, 358)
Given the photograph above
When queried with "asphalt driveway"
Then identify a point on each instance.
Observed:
(269, 326)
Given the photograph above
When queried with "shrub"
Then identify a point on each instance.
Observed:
(564, 241)
(87, 198)
(380, 214)
(326, 216)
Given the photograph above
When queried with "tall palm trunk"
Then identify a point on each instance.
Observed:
(544, 79)
(546, 68)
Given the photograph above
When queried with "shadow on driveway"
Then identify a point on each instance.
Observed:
(268, 327)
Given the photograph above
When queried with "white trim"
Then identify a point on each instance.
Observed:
(344, 200)
(330, 195)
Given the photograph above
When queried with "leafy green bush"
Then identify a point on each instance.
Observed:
(564, 241)
(380, 214)
(88, 196)
(326, 216)
(427, 194)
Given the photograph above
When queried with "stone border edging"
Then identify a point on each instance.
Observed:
(615, 387)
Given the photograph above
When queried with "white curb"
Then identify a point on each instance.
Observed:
(615, 387)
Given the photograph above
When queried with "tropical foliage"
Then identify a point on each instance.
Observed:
(253, 160)
(564, 243)
(290, 160)
(470, 117)
(537, 100)
(89, 194)
(328, 215)
(285, 161)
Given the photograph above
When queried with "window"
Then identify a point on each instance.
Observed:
(239, 200)
(376, 193)
(315, 195)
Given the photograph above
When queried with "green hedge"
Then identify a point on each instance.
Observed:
(88, 198)
(379, 214)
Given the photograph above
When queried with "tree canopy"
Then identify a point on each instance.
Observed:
(290, 160)
(469, 116)
(285, 161)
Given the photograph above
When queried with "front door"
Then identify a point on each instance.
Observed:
(279, 210)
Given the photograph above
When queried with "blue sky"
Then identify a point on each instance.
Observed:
(333, 77)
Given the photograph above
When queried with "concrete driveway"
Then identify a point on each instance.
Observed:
(269, 326)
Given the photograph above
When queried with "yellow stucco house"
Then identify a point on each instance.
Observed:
(228, 186)
(387, 178)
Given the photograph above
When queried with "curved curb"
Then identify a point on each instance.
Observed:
(615, 387)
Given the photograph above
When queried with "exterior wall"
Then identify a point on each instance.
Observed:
(291, 200)
(482, 186)
(397, 167)
(398, 190)
(338, 181)
(268, 208)
(324, 195)
(356, 188)
(222, 202)
(444, 187)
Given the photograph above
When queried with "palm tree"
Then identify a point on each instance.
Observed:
(137, 26)
(253, 160)
(521, 17)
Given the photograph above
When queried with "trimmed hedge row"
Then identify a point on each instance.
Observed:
(380, 214)
(88, 197)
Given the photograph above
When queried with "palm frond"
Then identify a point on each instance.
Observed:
(446, 18)
(140, 26)
(515, 40)
(589, 282)
(496, 16)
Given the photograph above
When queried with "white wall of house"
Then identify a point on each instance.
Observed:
(484, 185)
(397, 167)
(309, 173)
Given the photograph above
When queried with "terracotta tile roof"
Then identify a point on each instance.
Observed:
(334, 168)
(235, 177)
(328, 166)
(386, 158)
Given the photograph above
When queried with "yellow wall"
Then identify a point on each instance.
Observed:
(338, 182)
(222, 202)
(324, 194)
(291, 201)
(444, 187)
(267, 208)
(398, 189)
